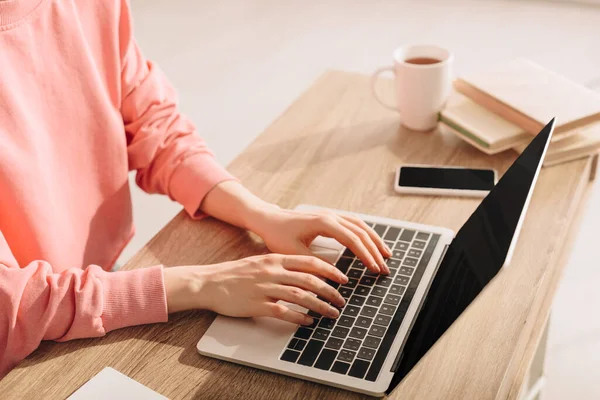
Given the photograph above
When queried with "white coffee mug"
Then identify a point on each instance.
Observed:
(423, 80)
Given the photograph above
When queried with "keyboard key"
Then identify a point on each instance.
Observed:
(379, 291)
(408, 271)
(368, 311)
(392, 234)
(358, 333)
(352, 344)
(422, 236)
(358, 264)
(333, 284)
(407, 235)
(392, 273)
(343, 264)
(366, 353)
(374, 301)
(372, 342)
(351, 283)
(362, 290)
(411, 262)
(345, 292)
(380, 229)
(363, 322)
(314, 324)
(375, 330)
(354, 273)
(391, 263)
(389, 244)
(383, 320)
(314, 314)
(357, 300)
(346, 355)
(300, 344)
(414, 253)
(303, 333)
(327, 323)
(359, 368)
(346, 321)
(340, 332)
(310, 353)
(326, 358)
(290, 355)
(371, 224)
(371, 273)
(387, 309)
(401, 280)
(392, 299)
(384, 281)
(321, 334)
(348, 253)
(292, 343)
(401, 246)
(334, 343)
(398, 254)
(340, 367)
(397, 290)
(367, 280)
(351, 311)
(417, 244)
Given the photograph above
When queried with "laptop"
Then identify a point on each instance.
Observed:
(390, 322)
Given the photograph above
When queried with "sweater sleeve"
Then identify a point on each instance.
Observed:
(37, 304)
(163, 145)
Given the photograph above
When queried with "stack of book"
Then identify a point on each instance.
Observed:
(505, 107)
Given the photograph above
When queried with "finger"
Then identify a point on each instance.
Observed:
(332, 228)
(313, 284)
(368, 242)
(284, 313)
(315, 266)
(301, 297)
(378, 240)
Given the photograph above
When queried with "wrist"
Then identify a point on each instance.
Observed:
(255, 213)
(185, 288)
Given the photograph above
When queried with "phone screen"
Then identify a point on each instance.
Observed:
(447, 178)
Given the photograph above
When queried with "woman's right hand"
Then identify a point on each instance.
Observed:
(251, 287)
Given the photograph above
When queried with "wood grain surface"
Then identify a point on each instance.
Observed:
(336, 147)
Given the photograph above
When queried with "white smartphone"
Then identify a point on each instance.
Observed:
(444, 181)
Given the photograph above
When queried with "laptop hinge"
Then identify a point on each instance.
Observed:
(401, 351)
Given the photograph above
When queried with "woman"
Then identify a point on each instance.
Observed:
(79, 107)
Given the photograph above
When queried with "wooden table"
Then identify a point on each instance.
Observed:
(336, 147)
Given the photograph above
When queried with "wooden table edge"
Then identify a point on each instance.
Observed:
(513, 382)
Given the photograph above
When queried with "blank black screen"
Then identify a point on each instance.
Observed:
(476, 254)
(447, 178)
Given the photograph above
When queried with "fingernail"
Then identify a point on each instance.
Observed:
(388, 249)
(308, 321)
(341, 301)
(376, 267)
(344, 278)
(333, 312)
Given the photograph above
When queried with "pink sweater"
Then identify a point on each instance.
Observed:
(79, 107)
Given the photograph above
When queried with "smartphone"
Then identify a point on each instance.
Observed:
(444, 181)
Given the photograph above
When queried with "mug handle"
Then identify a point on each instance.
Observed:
(374, 79)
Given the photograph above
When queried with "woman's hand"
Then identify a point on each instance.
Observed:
(252, 286)
(292, 232)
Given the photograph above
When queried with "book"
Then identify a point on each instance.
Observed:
(529, 96)
(479, 127)
(585, 142)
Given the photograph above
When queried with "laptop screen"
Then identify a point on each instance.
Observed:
(479, 250)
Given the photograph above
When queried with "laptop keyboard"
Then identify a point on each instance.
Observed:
(357, 343)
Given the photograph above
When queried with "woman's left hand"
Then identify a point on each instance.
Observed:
(292, 232)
